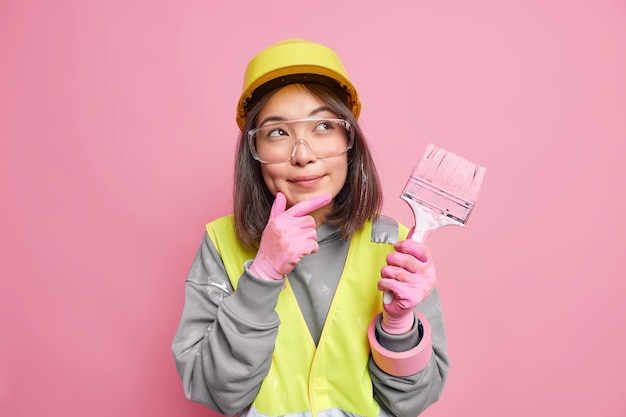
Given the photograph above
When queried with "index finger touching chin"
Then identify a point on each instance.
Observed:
(307, 206)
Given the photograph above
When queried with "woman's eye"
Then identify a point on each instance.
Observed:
(324, 126)
(276, 133)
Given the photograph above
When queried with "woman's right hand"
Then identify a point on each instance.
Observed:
(288, 237)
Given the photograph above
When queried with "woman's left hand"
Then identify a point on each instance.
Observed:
(410, 277)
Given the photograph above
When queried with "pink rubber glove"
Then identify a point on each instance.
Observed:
(410, 277)
(288, 237)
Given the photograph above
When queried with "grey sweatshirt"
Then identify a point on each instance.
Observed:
(223, 345)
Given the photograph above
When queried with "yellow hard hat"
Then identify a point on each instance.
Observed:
(294, 60)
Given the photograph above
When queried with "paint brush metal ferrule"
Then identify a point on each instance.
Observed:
(437, 199)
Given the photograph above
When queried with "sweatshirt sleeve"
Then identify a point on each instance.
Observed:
(410, 395)
(224, 341)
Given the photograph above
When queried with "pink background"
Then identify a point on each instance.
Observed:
(117, 135)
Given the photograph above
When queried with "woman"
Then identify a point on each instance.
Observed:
(284, 308)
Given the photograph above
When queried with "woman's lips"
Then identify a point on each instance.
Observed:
(306, 181)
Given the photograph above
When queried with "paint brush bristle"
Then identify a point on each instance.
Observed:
(451, 173)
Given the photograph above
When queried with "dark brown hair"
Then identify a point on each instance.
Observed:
(359, 200)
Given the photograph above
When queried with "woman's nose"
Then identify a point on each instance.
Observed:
(302, 153)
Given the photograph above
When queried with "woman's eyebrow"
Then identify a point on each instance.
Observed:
(283, 119)
(271, 119)
(321, 109)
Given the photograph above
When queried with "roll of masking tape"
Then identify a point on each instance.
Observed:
(402, 363)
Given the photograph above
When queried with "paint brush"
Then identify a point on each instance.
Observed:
(441, 191)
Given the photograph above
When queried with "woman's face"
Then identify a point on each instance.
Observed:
(305, 175)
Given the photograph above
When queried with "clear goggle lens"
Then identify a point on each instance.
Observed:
(278, 142)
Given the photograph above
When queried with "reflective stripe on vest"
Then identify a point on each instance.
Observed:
(303, 378)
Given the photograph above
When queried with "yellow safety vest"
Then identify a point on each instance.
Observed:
(333, 375)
